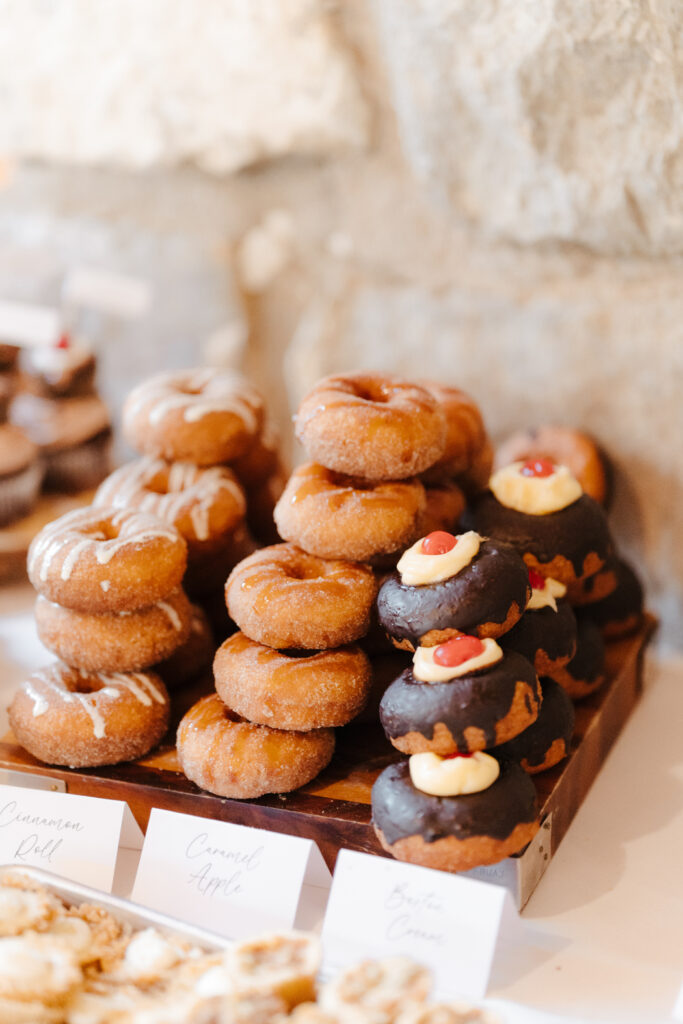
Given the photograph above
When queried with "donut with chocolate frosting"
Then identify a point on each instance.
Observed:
(545, 636)
(621, 611)
(485, 598)
(586, 671)
(567, 545)
(454, 833)
(471, 712)
(546, 741)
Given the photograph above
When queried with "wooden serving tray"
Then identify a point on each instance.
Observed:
(334, 810)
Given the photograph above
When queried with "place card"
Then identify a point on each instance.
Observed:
(230, 879)
(121, 295)
(22, 323)
(76, 837)
(452, 924)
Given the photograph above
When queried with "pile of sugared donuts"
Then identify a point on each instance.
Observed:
(296, 669)
(486, 612)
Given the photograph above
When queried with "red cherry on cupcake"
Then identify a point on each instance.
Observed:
(458, 650)
(538, 467)
(63, 342)
(536, 580)
(449, 757)
(438, 543)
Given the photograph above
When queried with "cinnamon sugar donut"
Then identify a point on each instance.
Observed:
(193, 657)
(226, 755)
(115, 641)
(336, 516)
(465, 433)
(204, 505)
(285, 598)
(209, 569)
(564, 446)
(64, 716)
(371, 425)
(206, 416)
(444, 508)
(291, 690)
(106, 560)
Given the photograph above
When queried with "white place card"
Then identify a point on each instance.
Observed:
(228, 878)
(107, 291)
(453, 925)
(76, 837)
(22, 323)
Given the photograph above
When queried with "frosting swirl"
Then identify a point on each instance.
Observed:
(418, 569)
(428, 670)
(453, 776)
(535, 495)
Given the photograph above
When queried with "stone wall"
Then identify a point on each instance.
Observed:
(487, 191)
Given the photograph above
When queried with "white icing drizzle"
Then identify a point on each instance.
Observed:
(172, 614)
(72, 558)
(40, 705)
(105, 584)
(197, 394)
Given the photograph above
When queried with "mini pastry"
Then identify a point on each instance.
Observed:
(540, 509)
(375, 990)
(454, 813)
(596, 587)
(463, 695)
(564, 446)
(73, 435)
(546, 633)
(66, 368)
(465, 432)
(546, 741)
(446, 584)
(283, 965)
(585, 673)
(621, 611)
(21, 474)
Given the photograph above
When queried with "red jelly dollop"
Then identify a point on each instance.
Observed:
(63, 342)
(538, 467)
(536, 580)
(449, 757)
(438, 543)
(458, 650)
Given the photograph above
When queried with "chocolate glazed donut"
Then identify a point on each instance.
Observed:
(485, 598)
(567, 545)
(454, 833)
(545, 636)
(468, 713)
(546, 742)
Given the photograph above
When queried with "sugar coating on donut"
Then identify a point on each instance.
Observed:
(333, 515)
(453, 775)
(202, 504)
(465, 432)
(373, 426)
(536, 487)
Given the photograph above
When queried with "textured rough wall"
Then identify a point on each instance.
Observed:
(451, 240)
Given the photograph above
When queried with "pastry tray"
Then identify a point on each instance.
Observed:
(334, 809)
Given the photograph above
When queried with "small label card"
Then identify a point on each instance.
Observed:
(73, 836)
(452, 924)
(230, 879)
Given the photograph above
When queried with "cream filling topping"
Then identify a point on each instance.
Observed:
(426, 670)
(452, 776)
(535, 495)
(546, 597)
(417, 569)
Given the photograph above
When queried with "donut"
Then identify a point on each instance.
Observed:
(476, 479)
(336, 516)
(479, 708)
(621, 611)
(465, 432)
(221, 752)
(585, 673)
(62, 715)
(193, 657)
(384, 668)
(206, 416)
(260, 461)
(454, 833)
(546, 633)
(285, 598)
(464, 584)
(566, 536)
(204, 505)
(445, 505)
(564, 446)
(106, 560)
(8, 388)
(114, 641)
(594, 588)
(546, 741)
(291, 690)
(209, 569)
(21, 474)
(371, 425)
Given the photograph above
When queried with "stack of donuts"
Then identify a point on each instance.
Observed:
(110, 604)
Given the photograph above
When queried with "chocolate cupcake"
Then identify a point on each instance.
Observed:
(540, 509)
(546, 742)
(460, 708)
(459, 832)
(585, 673)
(64, 370)
(621, 611)
(21, 474)
(546, 633)
(446, 585)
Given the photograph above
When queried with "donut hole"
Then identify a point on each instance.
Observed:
(84, 684)
(372, 391)
(158, 484)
